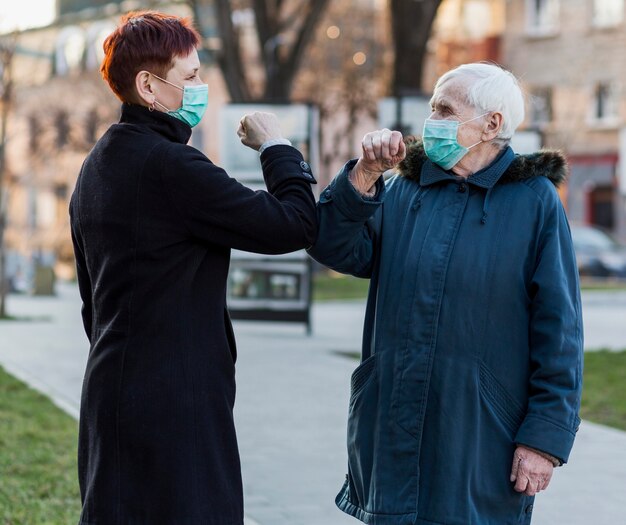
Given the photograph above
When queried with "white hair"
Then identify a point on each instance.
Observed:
(491, 88)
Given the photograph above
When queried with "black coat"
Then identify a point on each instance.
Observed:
(153, 222)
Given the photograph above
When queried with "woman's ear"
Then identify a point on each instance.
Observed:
(492, 126)
(143, 85)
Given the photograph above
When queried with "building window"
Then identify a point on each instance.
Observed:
(608, 13)
(62, 127)
(94, 39)
(542, 17)
(541, 106)
(91, 127)
(34, 132)
(70, 50)
(605, 104)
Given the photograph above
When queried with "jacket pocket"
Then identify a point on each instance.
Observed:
(361, 431)
(508, 410)
(361, 376)
(230, 335)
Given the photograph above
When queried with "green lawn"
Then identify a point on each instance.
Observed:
(604, 388)
(605, 286)
(332, 286)
(38, 479)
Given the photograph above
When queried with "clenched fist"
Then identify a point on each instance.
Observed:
(257, 128)
(382, 150)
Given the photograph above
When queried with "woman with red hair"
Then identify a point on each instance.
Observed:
(153, 221)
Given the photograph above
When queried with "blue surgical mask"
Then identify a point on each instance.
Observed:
(195, 101)
(441, 144)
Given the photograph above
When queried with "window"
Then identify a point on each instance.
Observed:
(605, 107)
(62, 127)
(542, 17)
(70, 50)
(540, 106)
(608, 13)
(91, 127)
(34, 132)
(94, 38)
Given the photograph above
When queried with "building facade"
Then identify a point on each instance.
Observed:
(61, 107)
(571, 58)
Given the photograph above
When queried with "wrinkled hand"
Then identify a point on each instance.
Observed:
(531, 472)
(257, 128)
(382, 150)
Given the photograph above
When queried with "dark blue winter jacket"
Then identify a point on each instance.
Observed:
(472, 341)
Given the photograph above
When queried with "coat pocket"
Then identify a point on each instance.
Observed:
(361, 376)
(230, 335)
(361, 431)
(508, 410)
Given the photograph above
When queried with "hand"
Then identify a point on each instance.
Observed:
(257, 128)
(382, 150)
(531, 472)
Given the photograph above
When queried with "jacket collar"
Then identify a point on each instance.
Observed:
(485, 178)
(508, 167)
(157, 121)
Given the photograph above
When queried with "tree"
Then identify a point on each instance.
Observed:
(411, 23)
(284, 29)
(7, 49)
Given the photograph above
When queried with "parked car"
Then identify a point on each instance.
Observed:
(598, 254)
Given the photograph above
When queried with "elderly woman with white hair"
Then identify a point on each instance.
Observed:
(468, 391)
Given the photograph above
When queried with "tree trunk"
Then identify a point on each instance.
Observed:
(281, 56)
(411, 22)
(228, 56)
(281, 68)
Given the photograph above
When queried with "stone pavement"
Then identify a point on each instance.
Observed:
(292, 403)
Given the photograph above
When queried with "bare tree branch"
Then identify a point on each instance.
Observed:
(279, 85)
(229, 55)
(411, 24)
(280, 54)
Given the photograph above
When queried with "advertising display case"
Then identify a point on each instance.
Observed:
(269, 287)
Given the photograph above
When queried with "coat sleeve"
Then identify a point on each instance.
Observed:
(84, 282)
(349, 226)
(556, 339)
(218, 209)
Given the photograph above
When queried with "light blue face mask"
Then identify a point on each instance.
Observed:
(195, 101)
(441, 144)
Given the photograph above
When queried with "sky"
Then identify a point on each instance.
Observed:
(21, 14)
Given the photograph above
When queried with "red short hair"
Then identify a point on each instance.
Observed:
(144, 40)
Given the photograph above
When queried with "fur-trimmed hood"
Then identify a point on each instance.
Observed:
(544, 163)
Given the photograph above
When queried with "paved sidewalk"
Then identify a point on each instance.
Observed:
(292, 405)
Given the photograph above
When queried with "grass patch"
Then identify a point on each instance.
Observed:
(38, 447)
(27, 318)
(349, 354)
(604, 388)
(602, 285)
(333, 286)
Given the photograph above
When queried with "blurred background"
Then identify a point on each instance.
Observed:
(357, 64)
(332, 71)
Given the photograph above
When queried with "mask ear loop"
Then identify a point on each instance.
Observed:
(160, 105)
(475, 118)
(174, 85)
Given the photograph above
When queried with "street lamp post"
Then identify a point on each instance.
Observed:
(6, 57)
